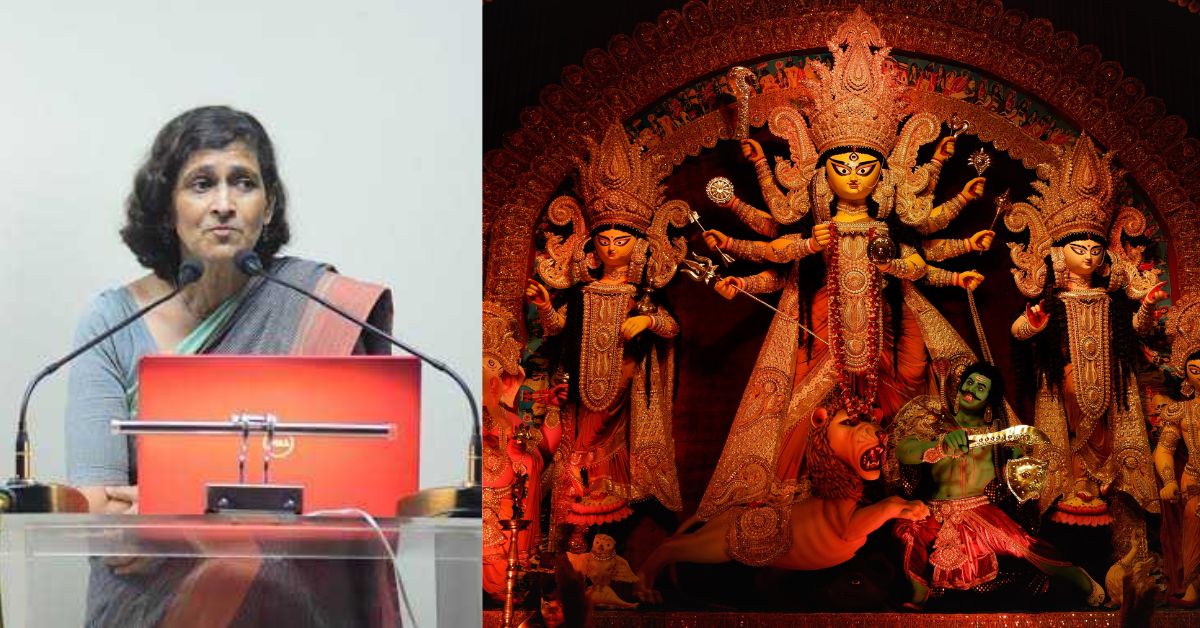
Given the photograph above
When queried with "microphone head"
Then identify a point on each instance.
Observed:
(189, 271)
(248, 262)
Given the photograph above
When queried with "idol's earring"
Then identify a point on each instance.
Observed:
(1187, 390)
(1058, 263)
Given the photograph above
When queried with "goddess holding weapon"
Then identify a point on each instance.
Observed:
(857, 181)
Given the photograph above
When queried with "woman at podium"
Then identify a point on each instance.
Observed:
(209, 189)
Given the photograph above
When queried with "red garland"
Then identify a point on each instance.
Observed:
(855, 406)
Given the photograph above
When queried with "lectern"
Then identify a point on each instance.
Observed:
(44, 559)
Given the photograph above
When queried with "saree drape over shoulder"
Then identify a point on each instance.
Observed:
(272, 320)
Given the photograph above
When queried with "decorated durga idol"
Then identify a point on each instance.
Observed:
(618, 356)
(847, 286)
(1080, 338)
(868, 333)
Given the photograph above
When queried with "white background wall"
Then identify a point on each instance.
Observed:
(374, 107)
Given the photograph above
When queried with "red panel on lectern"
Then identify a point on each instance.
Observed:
(370, 473)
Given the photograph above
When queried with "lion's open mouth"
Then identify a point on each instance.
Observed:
(871, 459)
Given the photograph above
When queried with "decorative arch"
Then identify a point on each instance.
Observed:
(638, 70)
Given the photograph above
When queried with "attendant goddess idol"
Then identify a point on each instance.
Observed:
(618, 356)
(859, 182)
(1079, 336)
(1180, 440)
(512, 448)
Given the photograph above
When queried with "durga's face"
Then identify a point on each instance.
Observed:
(852, 175)
(1083, 257)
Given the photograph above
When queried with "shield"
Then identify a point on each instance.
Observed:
(1025, 477)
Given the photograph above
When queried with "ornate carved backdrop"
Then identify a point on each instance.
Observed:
(656, 62)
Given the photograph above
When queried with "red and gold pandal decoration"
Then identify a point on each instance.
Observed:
(1024, 87)
(704, 38)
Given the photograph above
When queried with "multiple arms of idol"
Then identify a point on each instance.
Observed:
(911, 265)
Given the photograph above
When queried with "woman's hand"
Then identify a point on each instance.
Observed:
(1170, 492)
(1037, 315)
(1155, 295)
(725, 286)
(111, 500)
(537, 294)
(122, 500)
(968, 280)
(822, 235)
(131, 565)
(752, 150)
(982, 240)
(716, 240)
(944, 150)
(635, 325)
(973, 189)
(119, 500)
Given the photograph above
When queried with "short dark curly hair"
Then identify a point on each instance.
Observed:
(149, 229)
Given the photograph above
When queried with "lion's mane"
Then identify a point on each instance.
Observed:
(831, 477)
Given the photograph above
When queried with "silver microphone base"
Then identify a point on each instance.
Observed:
(444, 501)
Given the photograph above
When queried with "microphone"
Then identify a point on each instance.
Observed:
(464, 501)
(12, 496)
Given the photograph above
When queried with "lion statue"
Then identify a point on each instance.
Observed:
(822, 530)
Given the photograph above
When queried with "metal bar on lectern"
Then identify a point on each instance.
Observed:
(232, 428)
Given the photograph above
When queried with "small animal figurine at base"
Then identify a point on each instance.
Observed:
(601, 567)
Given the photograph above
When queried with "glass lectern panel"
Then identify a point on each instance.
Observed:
(67, 570)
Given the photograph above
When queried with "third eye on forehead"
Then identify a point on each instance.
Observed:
(844, 164)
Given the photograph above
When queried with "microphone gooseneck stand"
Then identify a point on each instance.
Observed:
(444, 501)
(22, 493)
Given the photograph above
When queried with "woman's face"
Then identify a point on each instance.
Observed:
(852, 176)
(1083, 257)
(220, 203)
(614, 247)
